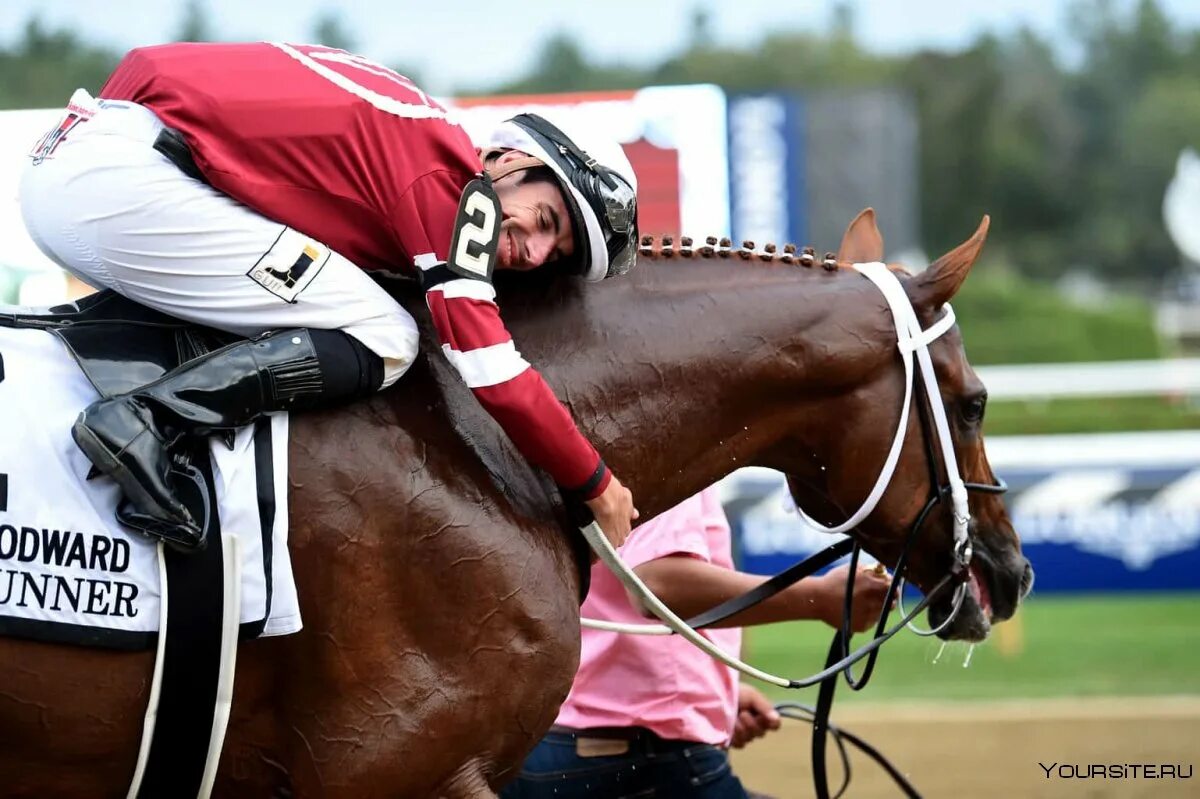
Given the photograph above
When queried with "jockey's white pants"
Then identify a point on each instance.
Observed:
(113, 211)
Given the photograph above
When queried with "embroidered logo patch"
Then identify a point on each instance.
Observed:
(290, 265)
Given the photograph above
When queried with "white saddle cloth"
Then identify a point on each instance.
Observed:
(68, 571)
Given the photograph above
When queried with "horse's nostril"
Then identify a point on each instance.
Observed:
(1026, 580)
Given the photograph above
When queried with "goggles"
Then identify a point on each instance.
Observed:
(619, 204)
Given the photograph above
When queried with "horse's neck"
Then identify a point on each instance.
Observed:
(689, 370)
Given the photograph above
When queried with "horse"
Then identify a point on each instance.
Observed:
(439, 591)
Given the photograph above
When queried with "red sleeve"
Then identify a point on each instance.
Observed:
(475, 340)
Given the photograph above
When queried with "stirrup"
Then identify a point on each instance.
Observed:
(192, 489)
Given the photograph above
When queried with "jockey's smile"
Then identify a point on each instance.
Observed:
(536, 227)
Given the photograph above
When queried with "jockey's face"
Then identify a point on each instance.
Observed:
(536, 227)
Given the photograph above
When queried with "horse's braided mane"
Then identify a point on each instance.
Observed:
(663, 248)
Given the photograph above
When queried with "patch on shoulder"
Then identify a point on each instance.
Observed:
(291, 264)
(476, 231)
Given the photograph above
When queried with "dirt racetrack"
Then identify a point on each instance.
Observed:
(978, 751)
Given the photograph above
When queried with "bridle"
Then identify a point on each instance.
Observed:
(913, 342)
(839, 646)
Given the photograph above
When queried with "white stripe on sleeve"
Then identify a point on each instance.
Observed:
(487, 366)
(468, 289)
(426, 260)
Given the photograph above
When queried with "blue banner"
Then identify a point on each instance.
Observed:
(766, 169)
(1087, 529)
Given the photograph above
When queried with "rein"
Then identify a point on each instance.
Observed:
(912, 339)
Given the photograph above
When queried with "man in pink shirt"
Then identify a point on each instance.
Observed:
(653, 715)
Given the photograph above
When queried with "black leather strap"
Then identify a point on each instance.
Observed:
(191, 667)
(771, 587)
(174, 147)
(437, 275)
(264, 470)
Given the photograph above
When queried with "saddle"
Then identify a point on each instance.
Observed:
(120, 346)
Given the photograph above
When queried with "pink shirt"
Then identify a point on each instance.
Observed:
(659, 682)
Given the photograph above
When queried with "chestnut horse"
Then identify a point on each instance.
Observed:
(439, 592)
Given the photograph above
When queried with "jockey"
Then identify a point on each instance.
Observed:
(247, 186)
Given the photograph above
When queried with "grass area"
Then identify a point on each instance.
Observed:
(1058, 646)
(1008, 318)
(1091, 415)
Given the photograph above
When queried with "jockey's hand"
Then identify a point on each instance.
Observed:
(614, 511)
(870, 588)
(756, 716)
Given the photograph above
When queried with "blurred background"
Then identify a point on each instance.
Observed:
(1075, 125)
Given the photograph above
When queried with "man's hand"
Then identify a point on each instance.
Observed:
(614, 511)
(870, 587)
(756, 717)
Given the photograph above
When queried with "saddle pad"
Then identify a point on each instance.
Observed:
(68, 571)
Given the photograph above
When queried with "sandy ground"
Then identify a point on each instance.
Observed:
(993, 750)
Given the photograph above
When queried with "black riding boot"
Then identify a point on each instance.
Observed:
(131, 437)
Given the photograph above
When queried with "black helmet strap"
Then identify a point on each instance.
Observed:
(564, 144)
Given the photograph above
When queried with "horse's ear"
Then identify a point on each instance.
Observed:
(862, 243)
(941, 281)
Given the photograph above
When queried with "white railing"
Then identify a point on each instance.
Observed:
(1165, 449)
(1178, 376)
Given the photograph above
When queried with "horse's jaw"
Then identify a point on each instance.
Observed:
(998, 583)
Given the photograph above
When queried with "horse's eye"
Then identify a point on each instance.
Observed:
(973, 409)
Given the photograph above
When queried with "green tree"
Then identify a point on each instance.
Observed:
(45, 66)
(331, 32)
(700, 32)
(1134, 70)
(195, 26)
(561, 66)
(956, 96)
(1030, 156)
(1163, 120)
(841, 27)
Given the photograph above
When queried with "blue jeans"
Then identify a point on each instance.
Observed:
(653, 767)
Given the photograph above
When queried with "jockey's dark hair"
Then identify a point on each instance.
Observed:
(539, 174)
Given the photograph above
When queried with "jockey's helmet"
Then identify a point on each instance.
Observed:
(598, 183)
